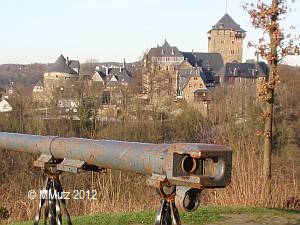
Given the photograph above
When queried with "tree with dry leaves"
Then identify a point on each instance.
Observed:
(273, 46)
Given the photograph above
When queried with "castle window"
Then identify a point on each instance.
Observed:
(219, 32)
(222, 41)
(195, 78)
(232, 42)
(225, 32)
(190, 85)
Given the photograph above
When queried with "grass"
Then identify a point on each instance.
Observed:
(202, 216)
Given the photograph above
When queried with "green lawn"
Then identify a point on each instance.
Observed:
(202, 216)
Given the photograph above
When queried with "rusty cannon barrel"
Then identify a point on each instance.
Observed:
(179, 171)
(180, 163)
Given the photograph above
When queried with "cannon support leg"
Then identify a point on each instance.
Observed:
(167, 213)
(53, 199)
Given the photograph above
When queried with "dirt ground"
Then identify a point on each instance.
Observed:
(243, 219)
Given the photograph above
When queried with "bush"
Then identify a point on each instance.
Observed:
(4, 214)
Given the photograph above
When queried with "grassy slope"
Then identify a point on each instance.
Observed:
(202, 216)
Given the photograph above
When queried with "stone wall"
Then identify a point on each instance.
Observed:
(193, 84)
(228, 43)
(55, 80)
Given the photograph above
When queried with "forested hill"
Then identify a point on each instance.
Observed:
(21, 74)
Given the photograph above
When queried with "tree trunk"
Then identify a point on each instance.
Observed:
(267, 169)
(268, 134)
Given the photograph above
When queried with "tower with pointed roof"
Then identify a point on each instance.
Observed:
(61, 73)
(226, 37)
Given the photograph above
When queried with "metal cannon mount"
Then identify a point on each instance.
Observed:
(52, 193)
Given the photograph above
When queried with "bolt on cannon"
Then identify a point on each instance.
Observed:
(177, 171)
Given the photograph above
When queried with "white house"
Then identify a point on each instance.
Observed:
(5, 106)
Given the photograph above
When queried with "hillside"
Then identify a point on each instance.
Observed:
(21, 74)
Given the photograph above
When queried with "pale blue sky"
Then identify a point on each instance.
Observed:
(109, 30)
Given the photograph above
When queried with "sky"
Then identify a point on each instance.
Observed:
(38, 31)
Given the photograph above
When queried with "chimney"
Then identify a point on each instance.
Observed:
(67, 60)
(257, 56)
(124, 63)
(106, 69)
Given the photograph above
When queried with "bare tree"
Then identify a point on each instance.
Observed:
(88, 68)
(273, 46)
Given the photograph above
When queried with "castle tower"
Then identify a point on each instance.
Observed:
(226, 38)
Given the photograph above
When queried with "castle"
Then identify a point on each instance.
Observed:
(168, 74)
(189, 76)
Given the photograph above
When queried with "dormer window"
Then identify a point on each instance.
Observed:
(162, 52)
(235, 72)
(173, 53)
